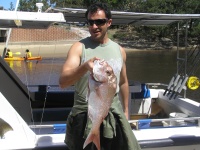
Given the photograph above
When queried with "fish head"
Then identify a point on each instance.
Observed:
(102, 71)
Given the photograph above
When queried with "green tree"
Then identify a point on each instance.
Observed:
(168, 7)
(30, 5)
(11, 6)
(67, 3)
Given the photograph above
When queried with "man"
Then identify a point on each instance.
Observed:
(78, 66)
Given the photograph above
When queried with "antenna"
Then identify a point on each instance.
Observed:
(39, 5)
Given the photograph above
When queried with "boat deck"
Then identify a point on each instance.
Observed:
(168, 137)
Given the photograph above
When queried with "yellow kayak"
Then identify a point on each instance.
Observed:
(22, 58)
(14, 58)
(34, 58)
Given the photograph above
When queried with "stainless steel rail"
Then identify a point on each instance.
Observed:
(148, 121)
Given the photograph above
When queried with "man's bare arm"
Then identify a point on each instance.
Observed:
(72, 69)
(124, 87)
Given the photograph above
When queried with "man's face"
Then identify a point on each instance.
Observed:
(98, 25)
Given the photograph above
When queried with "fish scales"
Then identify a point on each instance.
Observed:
(101, 91)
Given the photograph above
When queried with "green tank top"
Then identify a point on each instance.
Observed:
(110, 52)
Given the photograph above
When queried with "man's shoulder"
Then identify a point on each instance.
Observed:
(114, 43)
(76, 47)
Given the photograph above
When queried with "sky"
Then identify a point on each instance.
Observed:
(6, 3)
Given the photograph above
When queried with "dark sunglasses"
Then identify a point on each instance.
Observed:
(97, 22)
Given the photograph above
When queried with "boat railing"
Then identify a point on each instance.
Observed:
(165, 122)
(156, 85)
(46, 88)
(43, 88)
(139, 87)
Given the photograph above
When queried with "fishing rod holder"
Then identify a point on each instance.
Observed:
(187, 65)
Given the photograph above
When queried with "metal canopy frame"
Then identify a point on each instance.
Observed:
(123, 18)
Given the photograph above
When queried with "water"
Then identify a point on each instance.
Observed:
(143, 66)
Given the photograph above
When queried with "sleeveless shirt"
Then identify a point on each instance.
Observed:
(110, 52)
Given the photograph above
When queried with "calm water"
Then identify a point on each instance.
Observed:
(142, 66)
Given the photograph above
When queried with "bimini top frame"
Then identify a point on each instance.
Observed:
(123, 18)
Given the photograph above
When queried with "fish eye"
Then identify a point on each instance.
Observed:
(108, 72)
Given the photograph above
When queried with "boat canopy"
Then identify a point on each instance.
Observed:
(31, 20)
(124, 18)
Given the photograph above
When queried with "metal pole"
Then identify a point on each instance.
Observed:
(177, 57)
(10, 29)
(186, 45)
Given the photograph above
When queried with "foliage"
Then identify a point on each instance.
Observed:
(142, 6)
(11, 6)
(195, 32)
(167, 7)
(30, 5)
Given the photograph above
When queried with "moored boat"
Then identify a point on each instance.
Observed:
(158, 128)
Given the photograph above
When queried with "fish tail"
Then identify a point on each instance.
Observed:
(95, 138)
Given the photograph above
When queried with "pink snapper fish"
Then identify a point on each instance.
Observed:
(101, 91)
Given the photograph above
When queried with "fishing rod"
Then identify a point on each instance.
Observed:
(195, 62)
(194, 67)
(173, 82)
(184, 79)
(190, 54)
(180, 86)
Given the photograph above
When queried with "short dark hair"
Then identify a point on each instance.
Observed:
(99, 6)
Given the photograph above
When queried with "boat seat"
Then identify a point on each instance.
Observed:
(140, 101)
(144, 93)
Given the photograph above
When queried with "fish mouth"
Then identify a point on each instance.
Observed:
(95, 77)
(99, 70)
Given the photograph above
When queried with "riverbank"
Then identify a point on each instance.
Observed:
(55, 48)
(44, 49)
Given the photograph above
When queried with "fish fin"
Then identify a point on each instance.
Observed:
(92, 138)
(88, 140)
(96, 141)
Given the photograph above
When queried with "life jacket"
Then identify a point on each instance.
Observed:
(10, 54)
(29, 54)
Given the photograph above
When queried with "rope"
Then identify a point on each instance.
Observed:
(48, 85)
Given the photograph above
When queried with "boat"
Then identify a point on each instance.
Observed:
(34, 58)
(22, 58)
(161, 116)
(14, 59)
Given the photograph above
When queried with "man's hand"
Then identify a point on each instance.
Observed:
(90, 64)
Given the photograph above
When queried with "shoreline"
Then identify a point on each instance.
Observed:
(58, 49)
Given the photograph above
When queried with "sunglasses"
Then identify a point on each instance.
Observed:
(97, 22)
